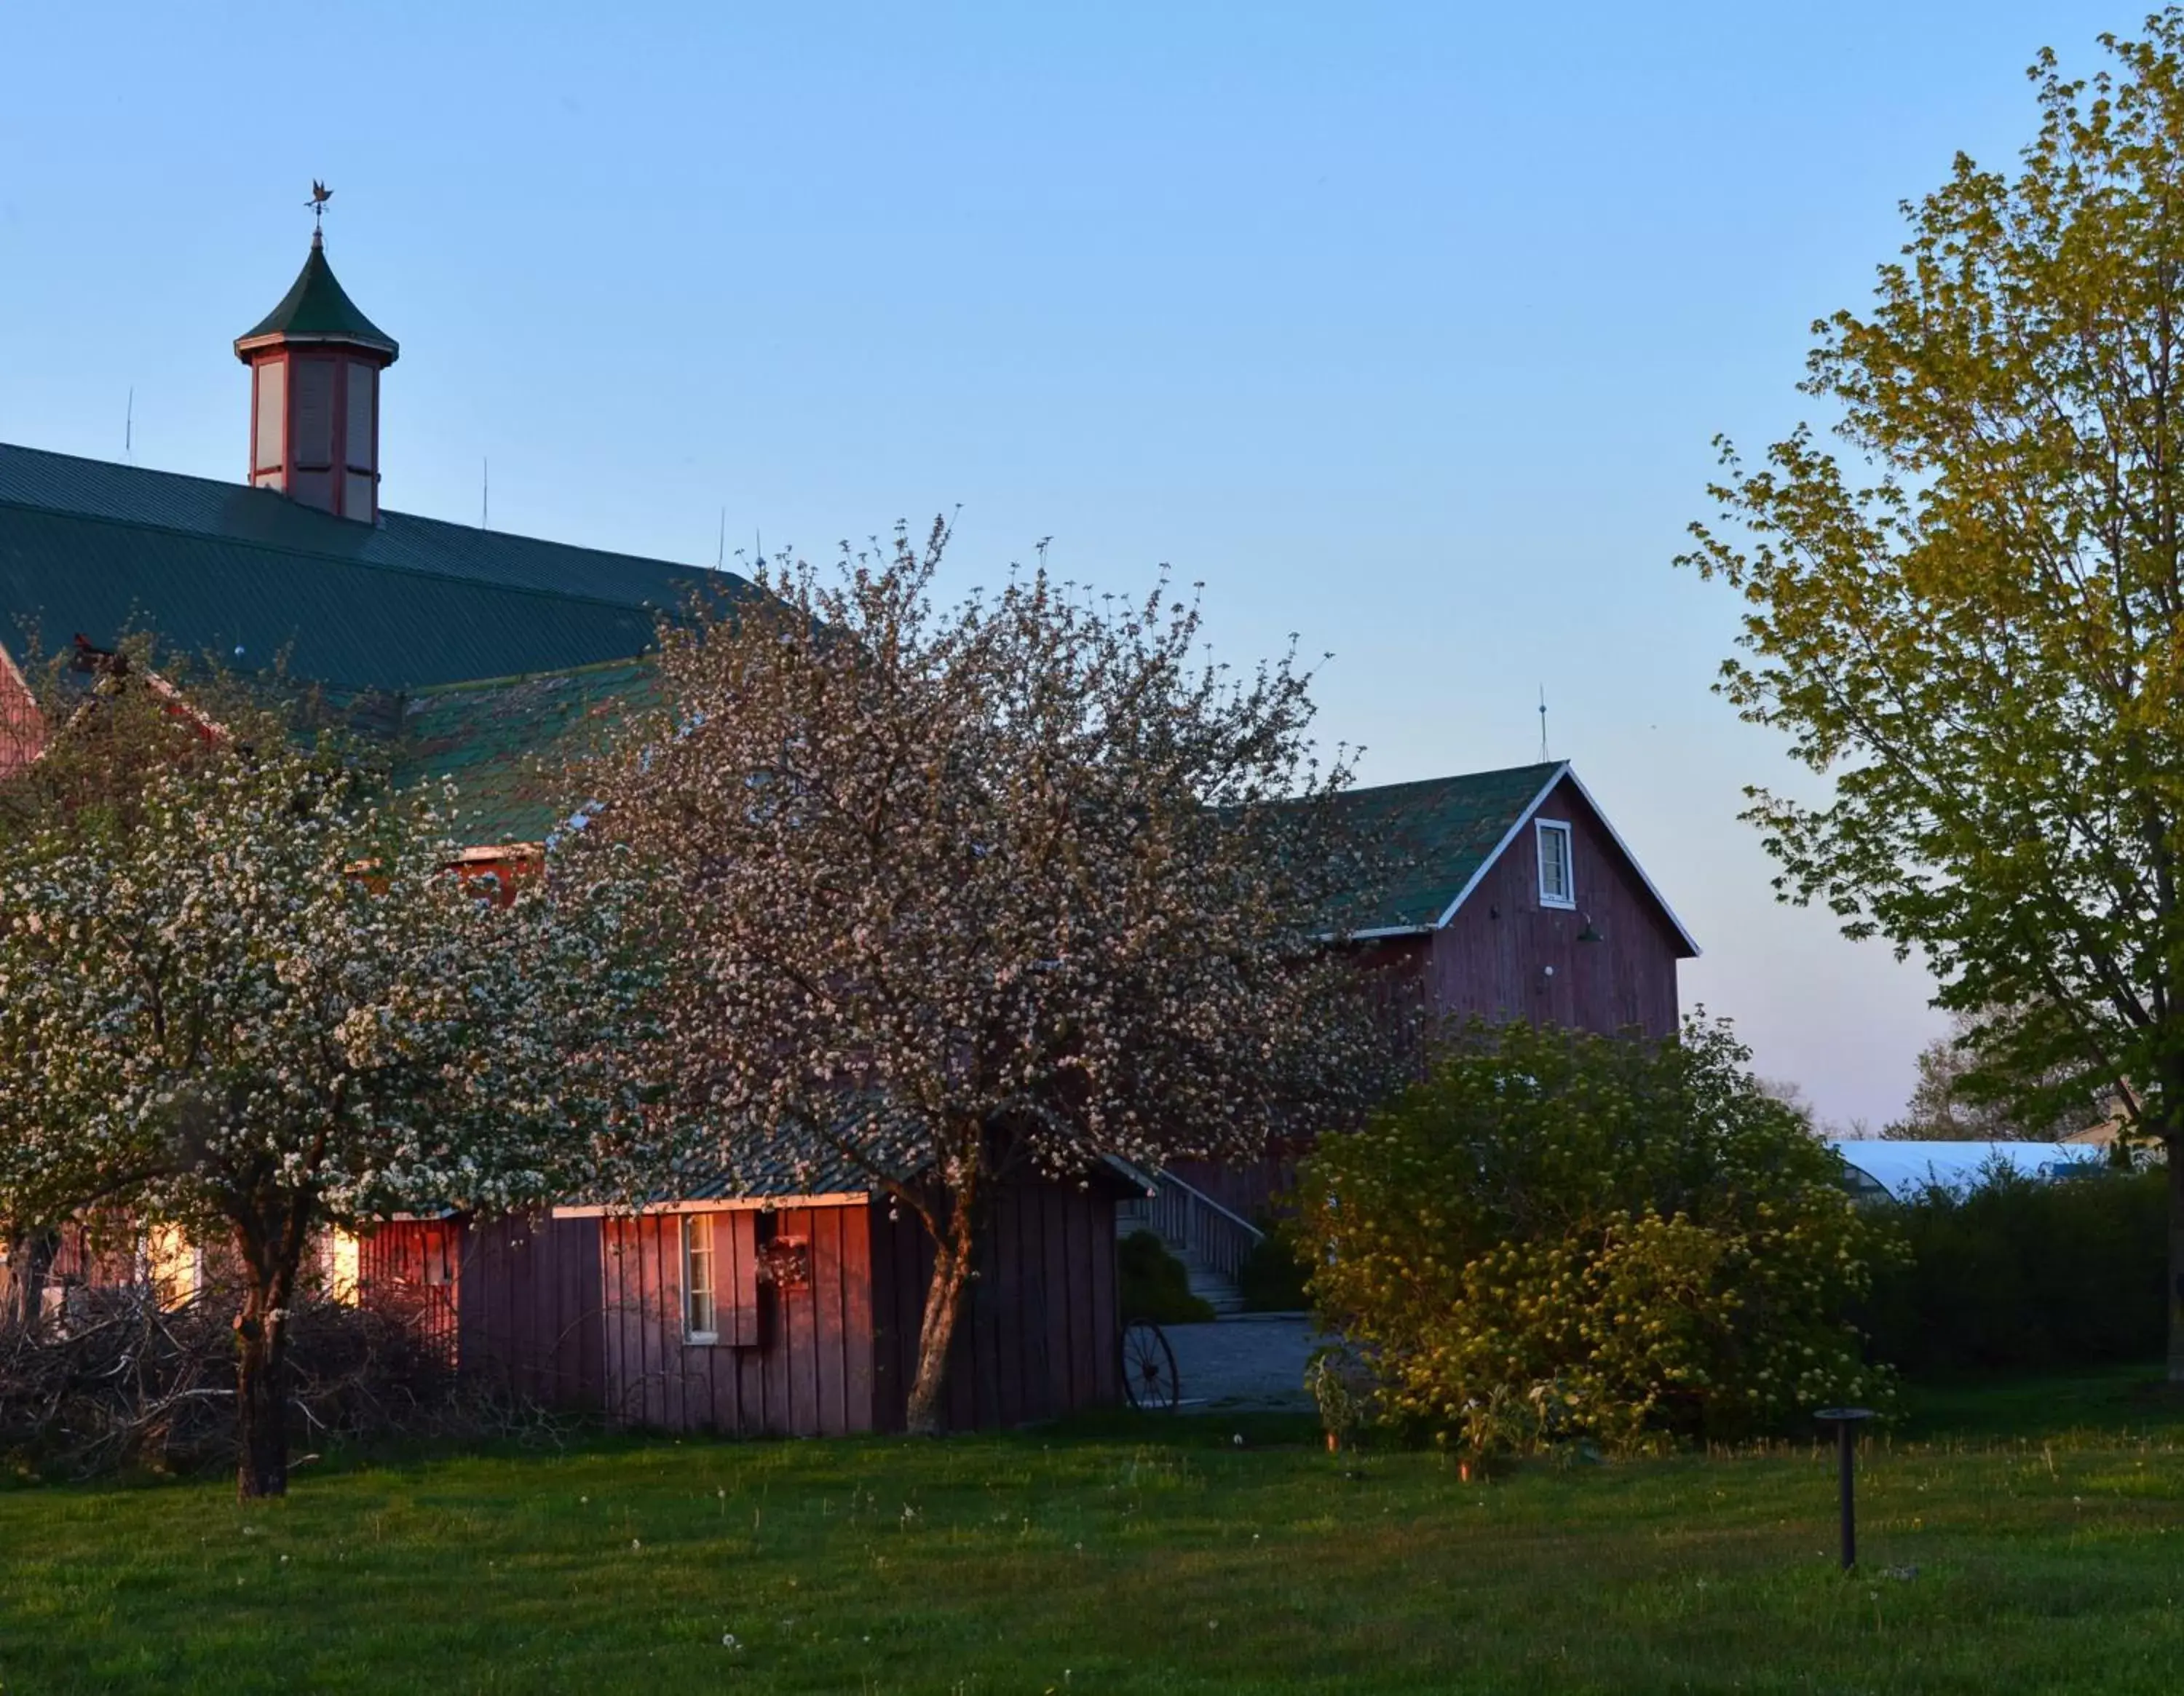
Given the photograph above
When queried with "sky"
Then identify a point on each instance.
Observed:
(1405, 329)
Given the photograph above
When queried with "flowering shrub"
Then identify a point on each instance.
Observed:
(1558, 1236)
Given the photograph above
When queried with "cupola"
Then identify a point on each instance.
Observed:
(315, 364)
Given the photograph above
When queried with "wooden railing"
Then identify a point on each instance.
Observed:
(1190, 1220)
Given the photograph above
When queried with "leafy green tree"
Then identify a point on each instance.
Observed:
(1954, 1098)
(1973, 620)
(1560, 1235)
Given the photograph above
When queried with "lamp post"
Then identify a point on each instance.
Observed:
(1845, 1422)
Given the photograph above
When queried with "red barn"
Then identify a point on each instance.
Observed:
(1516, 899)
(478, 655)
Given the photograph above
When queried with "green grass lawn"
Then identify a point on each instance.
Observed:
(2045, 1523)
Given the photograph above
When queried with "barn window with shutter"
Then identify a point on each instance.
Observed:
(700, 1310)
(1557, 889)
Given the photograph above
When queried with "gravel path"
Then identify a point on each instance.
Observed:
(1250, 1361)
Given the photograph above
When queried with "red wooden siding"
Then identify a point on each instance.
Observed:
(529, 1309)
(409, 1268)
(22, 729)
(790, 1361)
(1039, 1338)
(1492, 961)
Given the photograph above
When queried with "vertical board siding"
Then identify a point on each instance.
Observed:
(1492, 961)
(412, 1269)
(589, 1312)
(1039, 1337)
(794, 1362)
(530, 1306)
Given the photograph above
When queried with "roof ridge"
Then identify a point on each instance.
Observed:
(1451, 777)
(262, 547)
(407, 518)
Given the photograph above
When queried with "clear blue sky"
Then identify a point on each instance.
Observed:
(1404, 327)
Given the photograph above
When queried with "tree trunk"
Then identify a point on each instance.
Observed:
(261, 1363)
(943, 1307)
(30, 1256)
(2172, 1149)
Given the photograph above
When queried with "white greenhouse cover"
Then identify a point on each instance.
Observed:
(1905, 1167)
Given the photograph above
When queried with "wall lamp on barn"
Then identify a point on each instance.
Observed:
(1589, 934)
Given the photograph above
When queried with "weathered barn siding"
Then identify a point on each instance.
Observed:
(1493, 959)
(409, 1268)
(1039, 1337)
(790, 1361)
(22, 728)
(529, 1309)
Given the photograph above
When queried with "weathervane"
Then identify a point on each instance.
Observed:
(320, 194)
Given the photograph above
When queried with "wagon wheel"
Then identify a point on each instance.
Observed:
(1149, 1375)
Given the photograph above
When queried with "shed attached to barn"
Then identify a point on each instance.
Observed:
(784, 1314)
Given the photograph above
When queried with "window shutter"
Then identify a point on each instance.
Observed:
(357, 439)
(315, 414)
(736, 1244)
(272, 410)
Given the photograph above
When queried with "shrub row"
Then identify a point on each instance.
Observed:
(2018, 1274)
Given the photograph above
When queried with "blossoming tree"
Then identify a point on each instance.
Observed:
(956, 897)
(241, 994)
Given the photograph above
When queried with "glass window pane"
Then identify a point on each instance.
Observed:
(700, 1320)
(1554, 840)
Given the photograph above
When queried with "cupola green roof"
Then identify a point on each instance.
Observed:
(315, 308)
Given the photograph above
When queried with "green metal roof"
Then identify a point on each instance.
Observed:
(1443, 833)
(98, 549)
(1440, 833)
(505, 744)
(317, 309)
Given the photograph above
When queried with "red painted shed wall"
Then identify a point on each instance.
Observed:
(1040, 1335)
(832, 1357)
(810, 1372)
(529, 1309)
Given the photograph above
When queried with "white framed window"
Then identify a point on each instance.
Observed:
(1557, 887)
(700, 1311)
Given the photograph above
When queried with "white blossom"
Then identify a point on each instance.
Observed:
(953, 897)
